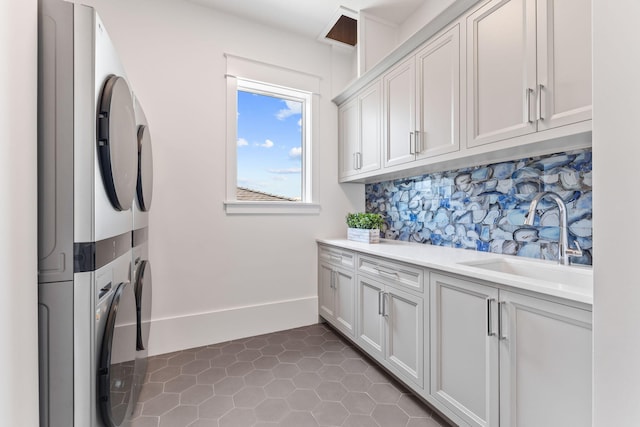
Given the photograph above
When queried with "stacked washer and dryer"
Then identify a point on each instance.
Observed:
(95, 184)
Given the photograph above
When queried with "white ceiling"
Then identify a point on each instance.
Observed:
(310, 17)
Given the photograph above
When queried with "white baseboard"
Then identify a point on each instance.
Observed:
(196, 330)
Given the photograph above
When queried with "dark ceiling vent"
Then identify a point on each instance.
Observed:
(345, 30)
(342, 29)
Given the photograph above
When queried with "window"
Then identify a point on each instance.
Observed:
(271, 132)
(269, 139)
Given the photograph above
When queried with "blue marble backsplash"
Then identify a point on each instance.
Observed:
(483, 208)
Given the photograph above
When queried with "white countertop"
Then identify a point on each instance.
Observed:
(451, 260)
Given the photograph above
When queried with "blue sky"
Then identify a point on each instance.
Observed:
(269, 144)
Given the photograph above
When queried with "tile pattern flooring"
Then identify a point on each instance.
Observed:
(302, 377)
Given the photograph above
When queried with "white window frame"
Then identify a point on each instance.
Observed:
(309, 203)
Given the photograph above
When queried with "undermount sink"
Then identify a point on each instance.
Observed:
(563, 277)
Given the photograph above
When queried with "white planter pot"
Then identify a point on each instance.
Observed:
(363, 235)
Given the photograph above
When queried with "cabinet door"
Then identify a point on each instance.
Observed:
(325, 291)
(564, 62)
(344, 289)
(370, 128)
(464, 349)
(403, 313)
(545, 363)
(399, 113)
(501, 71)
(370, 325)
(348, 137)
(438, 103)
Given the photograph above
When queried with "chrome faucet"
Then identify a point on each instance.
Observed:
(564, 251)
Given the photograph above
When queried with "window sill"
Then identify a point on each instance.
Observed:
(235, 207)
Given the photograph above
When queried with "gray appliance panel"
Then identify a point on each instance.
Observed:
(55, 142)
(55, 348)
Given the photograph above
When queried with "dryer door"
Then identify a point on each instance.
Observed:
(143, 304)
(117, 359)
(145, 169)
(117, 142)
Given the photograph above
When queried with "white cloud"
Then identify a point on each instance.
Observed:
(279, 178)
(295, 152)
(242, 142)
(300, 123)
(267, 143)
(293, 108)
(285, 171)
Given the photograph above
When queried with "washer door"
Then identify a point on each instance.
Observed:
(145, 169)
(117, 360)
(117, 144)
(143, 304)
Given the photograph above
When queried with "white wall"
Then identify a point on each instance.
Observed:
(219, 277)
(425, 14)
(616, 154)
(18, 215)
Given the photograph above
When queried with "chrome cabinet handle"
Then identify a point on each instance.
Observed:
(384, 305)
(501, 336)
(412, 149)
(540, 115)
(527, 96)
(490, 331)
(336, 280)
(392, 274)
(380, 308)
(357, 160)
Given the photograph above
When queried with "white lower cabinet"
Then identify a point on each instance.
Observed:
(390, 327)
(482, 355)
(464, 356)
(545, 363)
(500, 358)
(336, 296)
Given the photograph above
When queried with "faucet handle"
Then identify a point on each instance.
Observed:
(575, 252)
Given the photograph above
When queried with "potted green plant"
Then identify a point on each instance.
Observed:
(364, 227)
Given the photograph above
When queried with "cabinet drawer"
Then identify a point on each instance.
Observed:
(336, 256)
(393, 273)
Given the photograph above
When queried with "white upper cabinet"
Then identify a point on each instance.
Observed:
(438, 103)
(528, 67)
(422, 102)
(360, 132)
(501, 71)
(348, 137)
(506, 79)
(399, 113)
(370, 104)
(564, 62)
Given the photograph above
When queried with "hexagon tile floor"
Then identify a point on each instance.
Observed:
(302, 377)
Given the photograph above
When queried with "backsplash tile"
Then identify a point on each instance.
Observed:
(483, 208)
